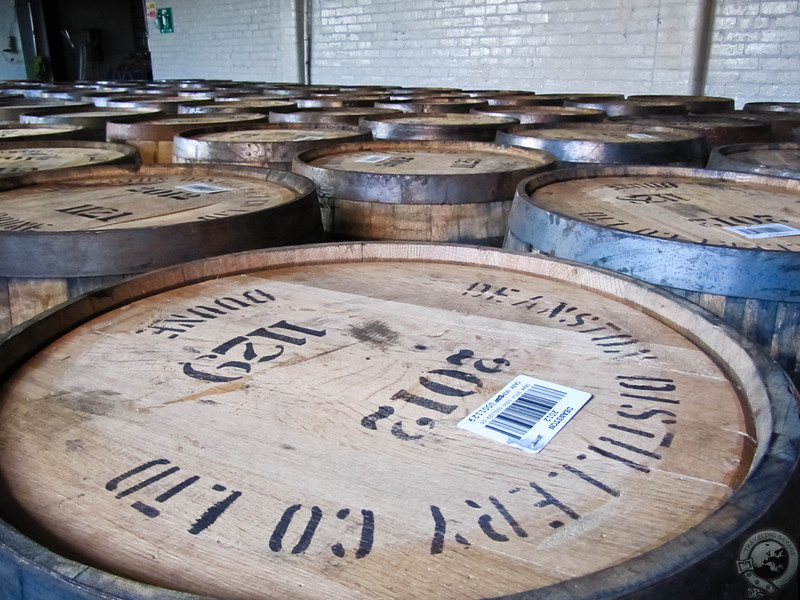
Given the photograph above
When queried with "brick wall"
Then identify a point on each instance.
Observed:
(755, 53)
(12, 66)
(624, 46)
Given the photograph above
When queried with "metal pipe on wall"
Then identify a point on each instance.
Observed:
(307, 39)
(702, 46)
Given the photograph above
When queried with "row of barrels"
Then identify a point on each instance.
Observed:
(300, 421)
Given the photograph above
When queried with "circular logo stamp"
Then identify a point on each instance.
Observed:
(768, 560)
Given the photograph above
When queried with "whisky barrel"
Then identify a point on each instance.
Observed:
(718, 130)
(543, 114)
(153, 137)
(433, 105)
(619, 108)
(614, 143)
(444, 126)
(241, 106)
(340, 100)
(12, 112)
(94, 121)
(728, 241)
(285, 424)
(695, 104)
(345, 115)
(778, 159)
(27, 132)
(64, 232)
(165, 103)
(269, 145)
(17, 158)
(418, 190)
(772, 107)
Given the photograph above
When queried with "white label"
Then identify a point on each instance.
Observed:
(374, 158)
(527, 413)
(641, 136)
(306, 138)
(203, 188)
(764, 231)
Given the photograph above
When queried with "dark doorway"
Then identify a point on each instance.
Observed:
(92, 39)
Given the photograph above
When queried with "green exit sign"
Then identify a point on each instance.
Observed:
(164, 20)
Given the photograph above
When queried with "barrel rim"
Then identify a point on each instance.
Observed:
(682, 252)
(757, 377)
(127, 251)
(145, 128)
(723, 158)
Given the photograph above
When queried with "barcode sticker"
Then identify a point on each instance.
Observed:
(764, 231)
(527, 413)
(641, 136)
(203, 188)
(374, 158)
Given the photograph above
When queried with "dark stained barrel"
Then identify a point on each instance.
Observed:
(240, 106)
(94, 121)
(718, 129)
(433, 105)
(772, 107)
(444, 126)
(344, 115)
(695, 104)
(543, 114)
(619, 108)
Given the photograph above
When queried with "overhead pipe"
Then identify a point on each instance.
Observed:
(702, 47)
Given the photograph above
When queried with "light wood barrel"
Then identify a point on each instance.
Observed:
(350, 115)
(619, 108)
(433, 105)
(243, 106)
(93, 121)
(671, 227)
(269, 145)
(17, 158)
(285, 424)
(695, 104)
(65, 232)
(444, 126)
(26, 132)
(153, 137)
(440, 191)
(778, 160)
(543, 114)
(614, 143)
(718, 130)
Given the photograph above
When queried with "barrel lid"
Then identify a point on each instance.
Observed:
(609, 142)
(419, 172)
(717, 128)
(26, 131)
(13, 111)
(244, 105)
(163, 129)
(349, 115)
(24, 157)
(542, 114)
(162, 102)
(696, 104)
(693, 229)
(87, 118)
(340, 100)
(260, 143)
(619, 107)
(435, 105)
(777, 159)
(436, 126)
(770, 107)
(286, 423)
(112, 220)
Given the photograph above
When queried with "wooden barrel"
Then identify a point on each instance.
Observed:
(778, 159)
(153, 137)
(12, 112)
(27, 132)
(614, 143)
(345, 115)
(241, 106)
(64, 232)
(619, 108)
(543, 114)
(695, 104)
(165, 103)
(433, 126)
(770, 107)
(269, 145)
(418, 190)
(94, 121)
(286, 424)
(718, 130)
(340, 100)
(728, 241)
(17, 158)
(433, 105)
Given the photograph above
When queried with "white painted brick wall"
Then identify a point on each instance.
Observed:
(624, 46)
(12, 66)
(755, 53)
